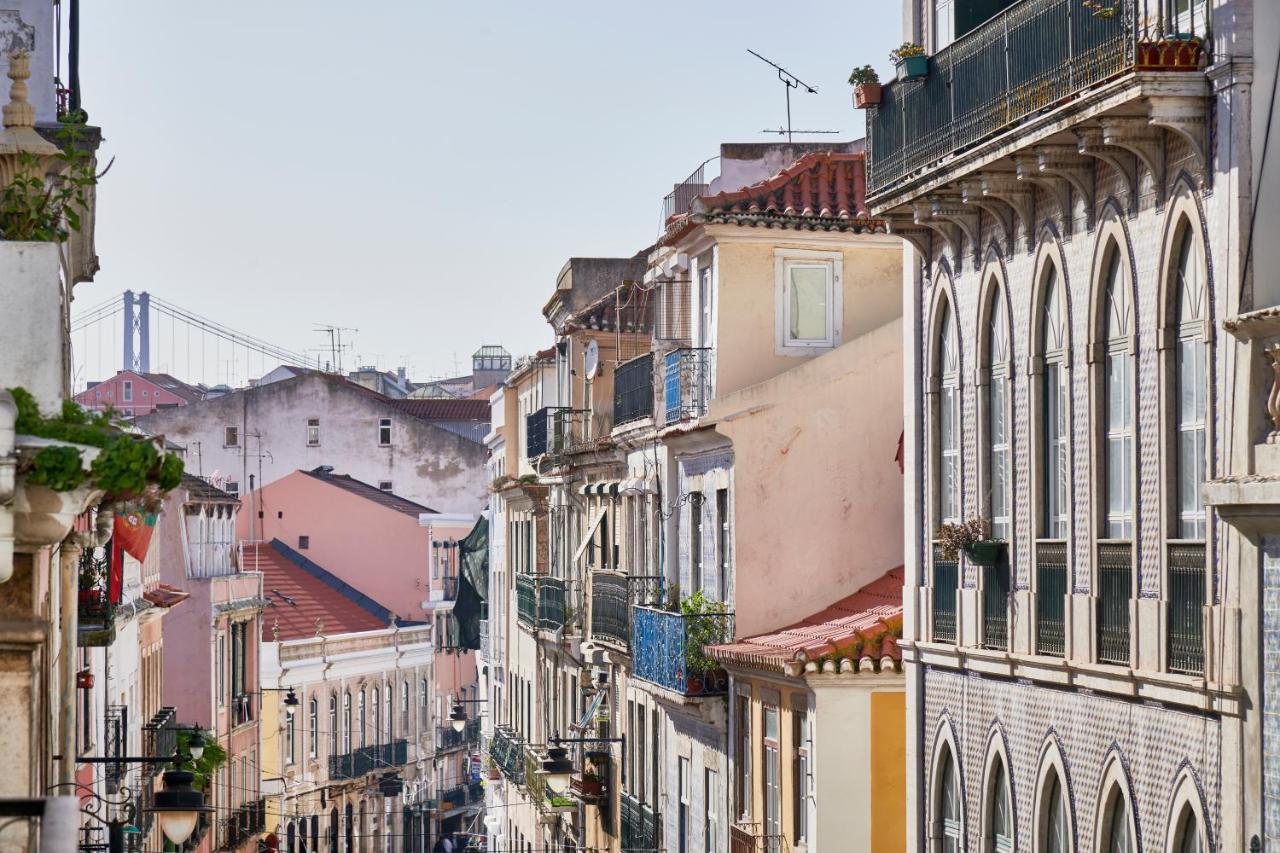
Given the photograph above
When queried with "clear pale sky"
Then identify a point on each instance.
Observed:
(421, 170)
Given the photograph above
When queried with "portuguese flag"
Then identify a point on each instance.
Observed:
(130, 534)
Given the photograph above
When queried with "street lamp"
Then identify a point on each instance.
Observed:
(557, 769)
(291, 703)
(178, 806)
(458, 719)
(195, 745)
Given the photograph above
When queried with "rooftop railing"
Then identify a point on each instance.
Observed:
(681, 198)
(668, 649)
(1032, 56)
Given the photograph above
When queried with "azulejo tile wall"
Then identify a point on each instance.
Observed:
(1154, 744)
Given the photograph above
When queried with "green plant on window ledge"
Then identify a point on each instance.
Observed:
(973, 538)
(127, 467)
(706, 625)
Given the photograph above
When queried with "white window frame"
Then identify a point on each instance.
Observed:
(313, 432)
(231, 436)
(384, 424)
(126, 394)
(783, 261)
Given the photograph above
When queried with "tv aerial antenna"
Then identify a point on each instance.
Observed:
(336, 346)
(789, 82)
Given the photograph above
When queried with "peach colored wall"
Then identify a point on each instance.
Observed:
(745, 329)
(817, 495)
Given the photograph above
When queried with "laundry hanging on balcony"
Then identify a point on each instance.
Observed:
(585, 722)
(473, 586)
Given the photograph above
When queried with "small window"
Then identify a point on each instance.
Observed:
(231, 436)
(127, 394)
(384, 432)
(808, 305)
(304, 542)
(384, 485)
(233, 488)
(313, 432)
(144, 393)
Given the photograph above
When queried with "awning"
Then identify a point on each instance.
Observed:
(585, 722)
(647, 485)
(605, 488)
(590, 532)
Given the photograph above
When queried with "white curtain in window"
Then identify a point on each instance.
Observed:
(809, 309)
(1191, 391)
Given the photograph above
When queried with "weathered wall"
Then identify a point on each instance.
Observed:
(826, 428)
(31, 354)
(424, 463)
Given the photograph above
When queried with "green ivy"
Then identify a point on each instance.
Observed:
(213, 757)
(34, 207)
(59, 468)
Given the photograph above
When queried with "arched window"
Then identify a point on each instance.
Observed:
(290, 739)
(388, 710)
(313, 728)
(1187, 837)
(948, 420)
(998, 446)
(1116, 837)
(1054, 827)
(346, 722)
(362, 717)
(1055, 474)
(377, 715)
(1118, 407)
(1192, 389)
(949, 820)
(1000, 812)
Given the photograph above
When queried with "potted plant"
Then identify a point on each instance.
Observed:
(1174, 52)
(866, 87)
(973, 539)
(589, 785)
(1100, 9)
(910, 61)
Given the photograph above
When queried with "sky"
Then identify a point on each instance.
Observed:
(420, 171)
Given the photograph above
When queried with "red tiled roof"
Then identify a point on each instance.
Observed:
(163, 595)
(626, 309)
(347, 483)
(305, 599)
(444, 409)
(873, 614)
(190, 393)
(822, 190)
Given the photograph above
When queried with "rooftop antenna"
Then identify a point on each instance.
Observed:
(336, 346)
(789, 82)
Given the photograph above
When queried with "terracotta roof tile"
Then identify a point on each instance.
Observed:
(163, 595)
(443, 408)
(188, 392)
(206, 492)
(873, 613)
(347, 483)
(305, 599)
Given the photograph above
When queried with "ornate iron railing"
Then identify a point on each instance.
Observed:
(686, 383)
(1186, 561)
(160, 737)
(551, 603)
(612, 595)
(946, 577)
(1030, 57)
(633, 390)
(115, 745)
(527, 600)
(667, 649)
(751, 839)
(640, 827)
(1115, 588)
(535, 783)
(1051, 592)
(995, 605)
(368, 759)
(506, 748)
(96, 615)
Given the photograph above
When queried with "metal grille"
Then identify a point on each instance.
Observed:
(526, 600)
(1051, 592)
(686, 383)
(612, 595)
(995, 605)
(551, 603)
(368, 759)
(946, 575)
(1115, 588)
(115, 745)
(506, 748)
(535, 433)
(1186, 607)
(639, 826)
(1028, 58)
(667, 649)
(633, 390)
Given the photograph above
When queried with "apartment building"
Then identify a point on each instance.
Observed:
(1069, 180)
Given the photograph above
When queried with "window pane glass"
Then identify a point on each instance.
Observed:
(1117, 840)
(808, 303)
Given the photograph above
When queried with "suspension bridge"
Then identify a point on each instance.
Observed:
(144, 333)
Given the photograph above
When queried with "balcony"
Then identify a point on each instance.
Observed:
(241, 709)
(115, 745)
(96, 615)
(1051, 597)
(612, 596)
(679, 201)
(686, 383)
(447, 739)
(449, 585)
(506, 748)
(1186, 602)
(369, 759)
(946, 577)
(667, 649)
(453, 798)
(752, 839)
(640, 827)
(633, 390)
(542, 602)
(555, 430)
(1034, 56)
(1115, 588)
(527, 600)
(245, 823)
(995, 605)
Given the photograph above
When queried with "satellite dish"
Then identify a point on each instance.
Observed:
(592, 359)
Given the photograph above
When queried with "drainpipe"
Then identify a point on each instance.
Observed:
(68, 586)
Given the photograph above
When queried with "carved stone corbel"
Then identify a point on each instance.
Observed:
(1125, 164)
(1027, 169)
(1065, 161)
(951, 209)
(1138, 137)
(950, 232)
(1185, 116)
(905, 227)
(1005, 187)
(1001, 211)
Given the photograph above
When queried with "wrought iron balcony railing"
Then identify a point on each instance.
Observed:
(752, 838)
(1051, 597)
(160, 737)
(640, 828)
(535, 433)
(554, 430)
(447, 738)
(681, 198)
(946, 577)
(506, 748)
(612, 596)
(96, 615)
(368, 759)
(527, 600)
(1032, 56)
(543, 602)
(1115, 588)
(668, 649)
(1186, 561)
(245, 823)
(995, 605)
(452, 798)
(115, 745)
(686, 383)
(633, 390)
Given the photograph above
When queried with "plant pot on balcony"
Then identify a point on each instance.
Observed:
(84, 680)
(588, 788)
(866, 95)
(986, 552)
(1178, 52)
(913, 67)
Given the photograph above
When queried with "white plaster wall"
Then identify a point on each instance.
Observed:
(31, 354)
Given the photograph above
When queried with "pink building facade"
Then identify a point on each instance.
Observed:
(134, 394)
